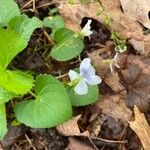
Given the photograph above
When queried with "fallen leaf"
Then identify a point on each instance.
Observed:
(71, 128)
(96, 122)
(138, 10)
(77, 145)
(142, 46)
(141, 128)
(114, 106)
(114, 82)
(137, 79)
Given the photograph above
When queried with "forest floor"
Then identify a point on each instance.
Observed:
(120, 119)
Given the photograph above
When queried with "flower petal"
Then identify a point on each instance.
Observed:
(91, 71)
(93, 80)
(85, 65)
(81, 88)
(86, 31)
(73, 75)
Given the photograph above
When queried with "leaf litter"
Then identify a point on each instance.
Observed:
(106, 124)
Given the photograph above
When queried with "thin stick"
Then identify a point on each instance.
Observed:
(30, 142)
(61, 76)
(49, 39)
(93, 144)
(110, 141)
(28, 3)
(44, 5)
(33, 5)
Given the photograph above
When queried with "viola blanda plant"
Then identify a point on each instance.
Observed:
(82, 88)
(51, 100)
(86, 76)
(68, 44)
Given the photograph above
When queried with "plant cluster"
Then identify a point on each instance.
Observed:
(52, 100)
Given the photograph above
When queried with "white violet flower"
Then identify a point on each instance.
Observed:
(86, 31)
(86, 76)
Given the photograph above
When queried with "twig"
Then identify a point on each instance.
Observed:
(49, 39)
(110, 141)
(93, 144)
(61, 76)
(30, 142)
(33, 5)
(44, 5)
(28, 3)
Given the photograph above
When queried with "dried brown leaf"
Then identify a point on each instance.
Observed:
(114, 106)
(138, 10)
(138, 81)
(141, 128)
(71, 128)
(142, 46)
(114, 82)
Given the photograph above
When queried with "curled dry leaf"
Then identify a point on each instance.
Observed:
(138, 82)
(141, 128)
(137, 10)
(114, 106)
(71, 128)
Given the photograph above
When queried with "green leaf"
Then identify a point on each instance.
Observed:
(8, 10)
(82, 100)
(16, 81)
(10, 45)
(50, 108)
(3, 121)
(5, 96)
(67, 45)
(54, 23)
(24, 25)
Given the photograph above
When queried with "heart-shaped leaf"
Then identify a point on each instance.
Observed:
(3, 122)
(54, 23)
(50, 108)
(11, 44)
(67, 45)
(16, 81)
(8, 10)
(5, 96)
(25, 26)
(82, 100)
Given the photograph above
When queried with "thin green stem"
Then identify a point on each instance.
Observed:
(32, 94)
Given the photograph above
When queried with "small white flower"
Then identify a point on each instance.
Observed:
(86, 76)
(86, 31)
